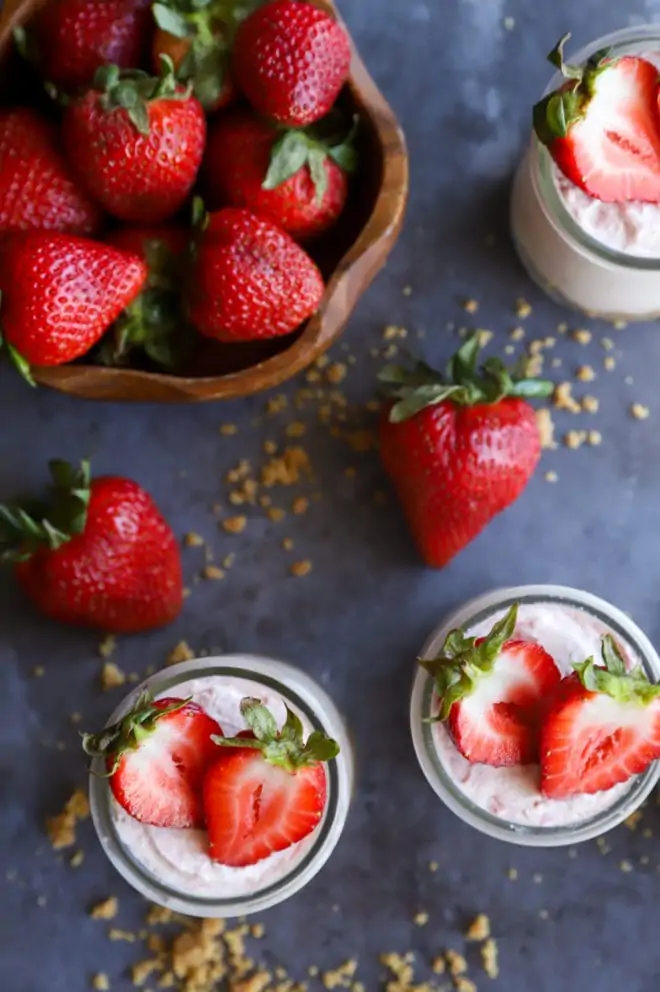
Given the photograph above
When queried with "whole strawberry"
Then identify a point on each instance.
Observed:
(296, 178)
(60, 293)
(136, 143)
(38, 190)
(458, 449)
(250, 280)
(73, 38)
(291, 60)
(99, 554)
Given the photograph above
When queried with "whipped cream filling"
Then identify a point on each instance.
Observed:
(179, 859)
(512, 794)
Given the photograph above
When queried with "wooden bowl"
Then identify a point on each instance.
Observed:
(349, 257)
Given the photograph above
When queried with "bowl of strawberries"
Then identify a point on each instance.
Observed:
(193, 193)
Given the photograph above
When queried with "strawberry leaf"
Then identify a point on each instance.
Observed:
(613, 679)
(171, 20)
(298, 148)
(129, 733)
(259, 719)
(289, 154)
(464, 660)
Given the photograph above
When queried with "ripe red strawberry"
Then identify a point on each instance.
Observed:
(250, 280)
(602, 126)
(99, 555)
(296, 179)
(291, 60)
(156, 757)
(602, 727)
(492, 693)
(458, 449)
(266, 793)
(136, 143)
(60, 293)
(73, 38)
(38, 190)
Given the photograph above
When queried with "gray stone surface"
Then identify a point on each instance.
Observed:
(463, 86)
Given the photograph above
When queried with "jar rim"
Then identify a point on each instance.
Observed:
(306, 697)
(432, 766)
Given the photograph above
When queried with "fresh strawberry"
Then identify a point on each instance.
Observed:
(38, 190)
(492, 693)
(602, 727)
(291, 60)
(154, 323)
(100, 554)
(71, 39)
(196, 38)
(60, 293)
(136, 143)
(602, 126)
(296, 178)
(156, 757)
(250, 280)
(267, 792)
(458, 449)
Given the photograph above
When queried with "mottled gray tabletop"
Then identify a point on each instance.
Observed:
(462, 75)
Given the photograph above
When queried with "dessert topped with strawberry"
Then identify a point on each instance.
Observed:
(215, 791)
(601, 127)
(532, 732)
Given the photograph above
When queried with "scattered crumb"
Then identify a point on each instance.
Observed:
(407, 290)
(484, 336)
(471, 306)
(258, 930)
(551, 477)
(193, 540)
(295, 429)
(300, 505)
(522, 308)
(111, 676)
(517, 334)
(563, 398)
(438, 966)
(639, 411)
(590, 404)
(234, 525)
(489, 958)
(609, 363)
(300, 568)
(544, 914)
(77, 859)
(276, 514)
(585, 373)
(509, 23)
(287, 468)
(276, 404)
(582, 336)
(607, 343)
(512, 874)
(228, 429)
(101, 982)
(433, 866)
(288, 544)
(509, 349)
(421, 918)
(575, 439)
(38, 671)
(213, 572)
(116, 934)
(108, 646)
(479, 929)
(463, 984)
(619, 325)
(456, 963)
(625, 866)
(537, 878)
(341, 976)
(546, 427)
(336, 373)
(180, 652)
(105, 910)
(594, 438)
(632, 821)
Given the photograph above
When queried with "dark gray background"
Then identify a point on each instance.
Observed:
(463, 86)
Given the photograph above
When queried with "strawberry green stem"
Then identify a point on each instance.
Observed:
(612, 678)
(129, 733)
(298, 148)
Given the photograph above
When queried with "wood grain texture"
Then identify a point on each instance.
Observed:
(357, 250)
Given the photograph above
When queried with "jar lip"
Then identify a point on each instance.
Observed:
(625, 39)
(306, 696)
(449, 791)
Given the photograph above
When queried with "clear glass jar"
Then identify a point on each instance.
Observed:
(317, 711)
(564, 260)
(424, 705)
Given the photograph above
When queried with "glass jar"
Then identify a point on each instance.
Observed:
(567, 263)
(261, 888)
(602, 616)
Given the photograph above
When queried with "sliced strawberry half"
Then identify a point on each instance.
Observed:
(602, 727)
(156, 758)
(602, 126)
(267, 789)
(492, 693)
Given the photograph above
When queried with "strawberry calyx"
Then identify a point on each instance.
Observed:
(613, 679)
(26, 529)
(130, 732)
(463, 661)
(285, 748)
(464, 383)
(554, 115)
(132, 90)
(297, 148)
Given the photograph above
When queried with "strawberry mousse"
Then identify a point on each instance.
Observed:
(586, 199)
(542, 718)
(221, 790)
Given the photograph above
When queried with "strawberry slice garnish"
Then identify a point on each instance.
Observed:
(156, 757)
(492, 691)
(602, 727)
(602, 126)
(267, 789)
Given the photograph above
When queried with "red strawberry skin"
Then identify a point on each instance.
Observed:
(75, 37)
(590, 742)
(254, 809)
(250, 280)
(455, 467)
(139, 178)
(61, 292)
(500, 722)
(160, 783)
(236, 163)
(291, 60)
(121, 575)
(38, 190)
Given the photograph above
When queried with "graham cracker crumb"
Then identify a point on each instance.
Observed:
(509, 23)
(111, 676)
(463, 984)
(585, 373)
(517, 334)
(114, 933)
(38, 671)
(512, 874)
(336, 373)
(609, 363)
(270, 447)
(607, 343)
(575, 439)
(193, 540)
(546, 428)
(105, 910)
(484, 336)
(286, 470)
(551, 477)
(228, 429)
(590, 404)
(288, 544)
(75, 717)
(509, 349)
(523, 308)
(180, 652)
(234, 525)
(632, 821)
(300, 505)
(108, 646)
(433, 866)
(276, 404)
(489, 957)
(438, 966)
(471, 306)
(228, 560)
(213, 572)
(77, 859)
(276, 514)
(407, 290)
(421, 918)
(563, 398)
(639, 411)
(582, 336)
(300, 568)
(295, 429)
(479, 929)
(101, 982)
(625, 866)
(141, 971)
(456, 963)
(619, 325)
(594, 438)
(258, 930)
(340, 977)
